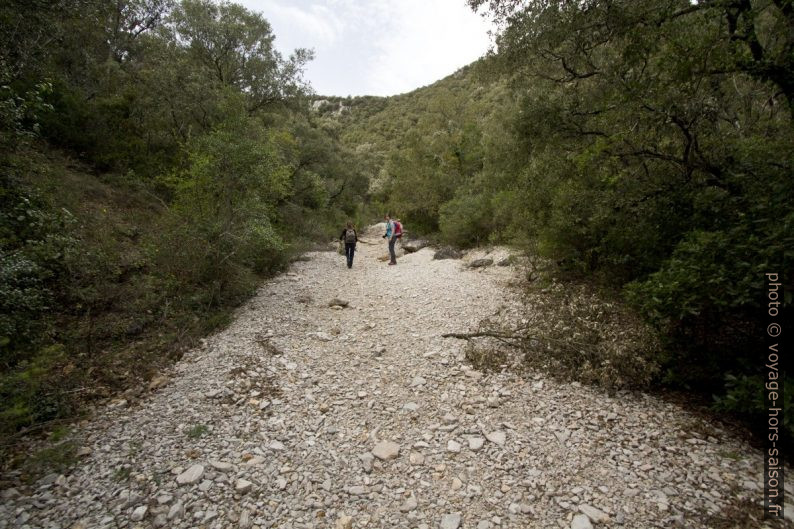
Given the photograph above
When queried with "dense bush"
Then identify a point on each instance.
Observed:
(157, 160)
(466, 220)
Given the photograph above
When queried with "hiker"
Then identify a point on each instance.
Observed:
(394, 231)
(350, 238)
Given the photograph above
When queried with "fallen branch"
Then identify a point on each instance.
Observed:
(470, 335)
(517, 339)
(507, 339)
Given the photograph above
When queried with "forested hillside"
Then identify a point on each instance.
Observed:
(158, 159)
(644, 147)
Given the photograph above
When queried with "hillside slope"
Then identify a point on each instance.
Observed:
(384, 128)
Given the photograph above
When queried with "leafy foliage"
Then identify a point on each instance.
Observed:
(157, 159)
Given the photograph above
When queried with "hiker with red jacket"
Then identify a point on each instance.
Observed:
(394, 230)
(350, 238)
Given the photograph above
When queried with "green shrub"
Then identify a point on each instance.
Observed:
(466, 220)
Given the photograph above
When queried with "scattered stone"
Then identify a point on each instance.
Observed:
(254, 461)
(416, 458)
(450, 521)
(344, 522)
(357, 490)
(191, 475)
(386, 450)
(164, 499)
(498, 437)
(366, 461)
(245, 519)
(595, 515)
(475, 443)
(139, 513)
(243, 486)
(10, 494)
(453, 446)
(410, 503)
(336, 302)
(418, 381)
(276, 445)
(221, 466)
(176, 511)
(581, 521)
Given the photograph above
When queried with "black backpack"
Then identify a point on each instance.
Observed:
(350, 236)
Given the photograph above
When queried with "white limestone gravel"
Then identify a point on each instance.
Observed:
(295, 397)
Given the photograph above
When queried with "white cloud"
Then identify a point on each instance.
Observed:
(377, 47)
(429, 39)
(315, 24)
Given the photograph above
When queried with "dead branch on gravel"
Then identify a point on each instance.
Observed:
(570, 333)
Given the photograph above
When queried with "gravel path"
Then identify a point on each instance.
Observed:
(300, 415)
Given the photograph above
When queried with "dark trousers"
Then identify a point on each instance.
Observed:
(393, 256)
(350, 249)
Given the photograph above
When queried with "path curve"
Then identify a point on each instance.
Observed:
(272, 423)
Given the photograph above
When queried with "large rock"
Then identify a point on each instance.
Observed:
(481, 263)
(448, 253)
(386, 450)
(414, 246)
(191, 475)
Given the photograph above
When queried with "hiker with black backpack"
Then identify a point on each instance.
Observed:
(350, 238)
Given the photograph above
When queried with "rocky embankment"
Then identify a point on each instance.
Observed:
(306, 413)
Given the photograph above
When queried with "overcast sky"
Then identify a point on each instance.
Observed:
(376, 47)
